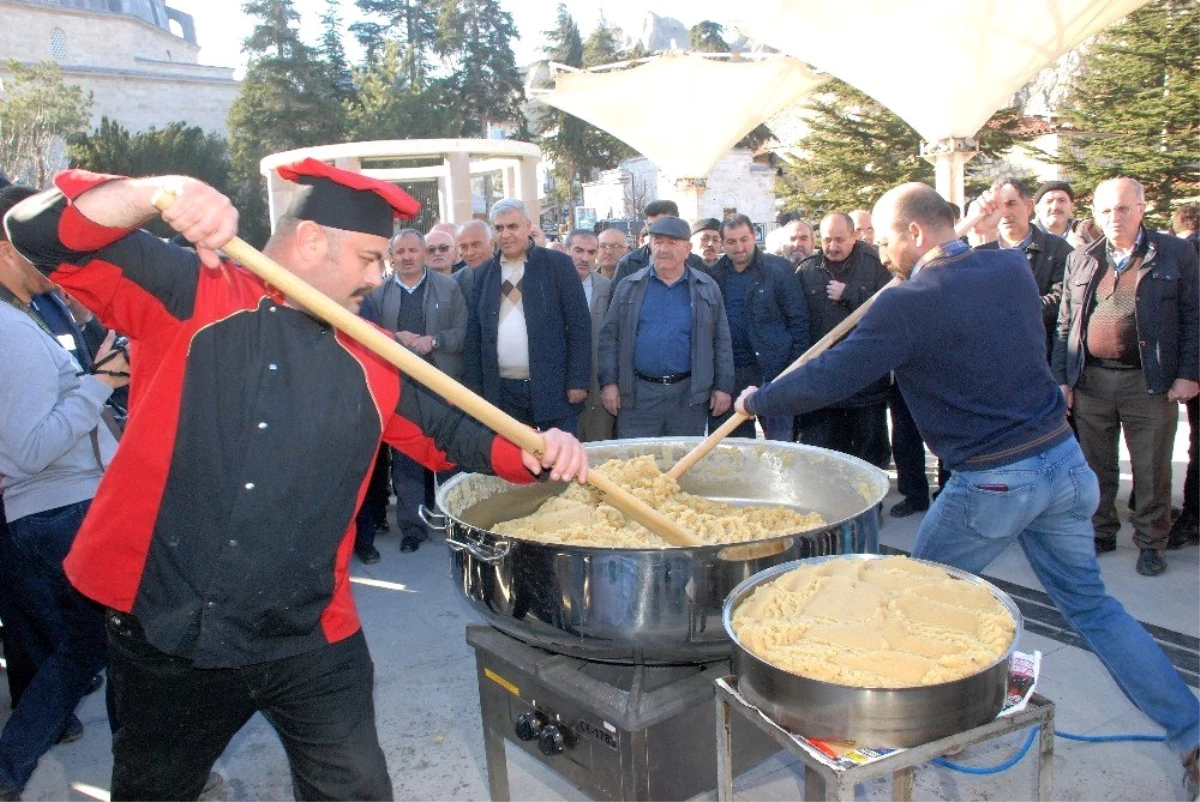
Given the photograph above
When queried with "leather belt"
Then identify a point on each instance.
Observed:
(673, 378)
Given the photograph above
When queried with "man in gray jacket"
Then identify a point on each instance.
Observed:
(583, 246)
(55, 443)
(426, 313)
(665, 354)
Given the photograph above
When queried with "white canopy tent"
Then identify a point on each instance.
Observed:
(943, 66)
(750, 89)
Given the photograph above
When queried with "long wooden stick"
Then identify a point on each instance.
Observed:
(820, 346)
(316, 302)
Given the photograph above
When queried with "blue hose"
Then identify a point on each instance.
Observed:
(1005, 766)
(1101, 739)
(1015, 759)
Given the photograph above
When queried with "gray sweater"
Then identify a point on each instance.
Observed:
(50, 426)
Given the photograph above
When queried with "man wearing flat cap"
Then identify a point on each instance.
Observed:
(1054, 203)
(666, 359)
(641, 256)
(220, 536)
(706, 240)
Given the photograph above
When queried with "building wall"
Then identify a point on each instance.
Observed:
(734, 183)
(139, 74)
(1022, 160)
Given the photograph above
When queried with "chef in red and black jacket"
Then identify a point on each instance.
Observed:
(221, 535)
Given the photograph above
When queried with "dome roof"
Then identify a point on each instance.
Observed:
(154, 12)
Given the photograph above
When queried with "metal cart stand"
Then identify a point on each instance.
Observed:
(825, 782)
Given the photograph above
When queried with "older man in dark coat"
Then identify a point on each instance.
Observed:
(528, 344)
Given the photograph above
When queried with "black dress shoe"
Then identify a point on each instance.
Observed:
(369, 555)
(96, 684)
(1150, 563)
(410, 543)
(1105, 544)
(1185, 531)
(906, 508)
(72, 731)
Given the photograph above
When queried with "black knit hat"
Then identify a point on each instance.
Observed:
(1052, 186)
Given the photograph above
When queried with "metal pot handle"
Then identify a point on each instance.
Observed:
(434, 520)
(487, 554)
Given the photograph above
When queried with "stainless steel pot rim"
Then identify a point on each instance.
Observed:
(729, 443)
(744, 588)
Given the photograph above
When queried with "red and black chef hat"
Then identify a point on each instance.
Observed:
(341, 199)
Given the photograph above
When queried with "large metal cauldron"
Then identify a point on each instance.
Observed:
(658, 605)
(876, 717)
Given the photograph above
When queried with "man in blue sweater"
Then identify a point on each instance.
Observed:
(965, 338)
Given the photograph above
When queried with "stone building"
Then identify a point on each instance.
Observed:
(138, 58)
(739, 182)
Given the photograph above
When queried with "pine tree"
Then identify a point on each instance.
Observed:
(856, 149)
(485, 81)
(603, 46)
(39, 112)
(705, 37)
(333, 54)
(565, 137)
(1135, 107)
(386, 106)
(411, 24)
(284, 103)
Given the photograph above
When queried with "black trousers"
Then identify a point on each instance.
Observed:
(908, 450)
(176, 720)
(1191, 485)
(517, 400)
(373, 511)
(858, 431)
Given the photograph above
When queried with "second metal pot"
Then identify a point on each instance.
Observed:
(875, 717)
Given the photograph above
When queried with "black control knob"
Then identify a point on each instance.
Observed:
(529, 725)
(551, 740)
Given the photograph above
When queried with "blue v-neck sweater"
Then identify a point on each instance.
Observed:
(966, 341)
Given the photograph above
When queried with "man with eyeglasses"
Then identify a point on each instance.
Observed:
(426, 313)
(706, 240)
(1126, 351)
(442, 251)
(613, 247)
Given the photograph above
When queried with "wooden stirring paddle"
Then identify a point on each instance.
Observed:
(298, 290)
(820, 346)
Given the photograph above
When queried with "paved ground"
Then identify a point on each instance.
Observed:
(428, 709)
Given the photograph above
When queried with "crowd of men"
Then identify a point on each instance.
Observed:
(677, 327)
(592, 339)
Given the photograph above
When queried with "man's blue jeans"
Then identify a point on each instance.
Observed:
(1045, 503)
(70, 623)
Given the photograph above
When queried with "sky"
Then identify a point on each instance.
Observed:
(221, 26)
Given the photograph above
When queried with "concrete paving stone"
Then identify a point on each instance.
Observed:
(427, 701)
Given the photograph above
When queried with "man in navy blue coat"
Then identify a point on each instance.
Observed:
(964, 335)
(768, 318)
(528, 346)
